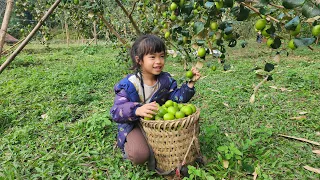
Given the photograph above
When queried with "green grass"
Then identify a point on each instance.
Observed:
(55, 123)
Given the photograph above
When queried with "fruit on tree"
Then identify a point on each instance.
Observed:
(167, 35)
(219, 4)
(214, 26)
(189, 74)
(270, 41)
(260, 24)
(201, 52)
(291, 45)
(296, 31)
(173, 6)
(316, 30)
(213, 68)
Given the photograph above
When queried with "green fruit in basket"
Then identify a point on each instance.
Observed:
(162, 111)
(168, 116)
(169, 103)
(172, 110)
(175, 104)
(187, 110)
(180, 106)
(179, 115)
(194, 109)
(157, 117)
(148, 118)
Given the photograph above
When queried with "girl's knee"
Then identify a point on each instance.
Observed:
(139, 156)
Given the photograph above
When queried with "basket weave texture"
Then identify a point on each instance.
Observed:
(171, 140)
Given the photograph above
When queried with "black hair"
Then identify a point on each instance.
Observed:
(146, 44)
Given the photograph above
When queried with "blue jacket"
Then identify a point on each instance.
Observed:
(127, 101)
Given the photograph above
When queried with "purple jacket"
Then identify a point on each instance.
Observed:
(127, 101)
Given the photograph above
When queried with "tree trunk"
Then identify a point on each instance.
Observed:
(28, 38)
(5, 23)
(95, 32)
(66, 26)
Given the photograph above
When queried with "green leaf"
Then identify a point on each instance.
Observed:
(200, 42)
(264, 2)
(303, 41)
(228, 3)
(276, 43)
(310, 10)
(209, 5)
(222, 148)
(290, 4)
(187, 9)
(228, 30)
(198, 27)
(268, 67)
(293, 23)
(243, 13)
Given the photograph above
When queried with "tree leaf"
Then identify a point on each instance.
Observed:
(252, 98)
(303, 41)
(276, 43)
(316, 151)
(268, 67)
(228, 3)
(310, 10)
(209, 5)
(243, 14)
(198, 27)
(293, 23)
(290, 4)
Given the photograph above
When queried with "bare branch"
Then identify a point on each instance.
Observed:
(133, 7)
(275, 5)
(257, 11)
(129, 16)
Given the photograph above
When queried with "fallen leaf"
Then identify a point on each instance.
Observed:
(199, 65)
(317, 133)
(300, 139)
(225, 104)
(277, 58)
(303, 112)
(285, 89)
(255, 175)
(298, 118)
(316, 170)
(273, 87)
(316, 151)
(225, 164)
(252, 98)
(44, 116)
(311, 20)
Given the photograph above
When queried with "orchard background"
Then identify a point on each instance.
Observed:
(259, 101)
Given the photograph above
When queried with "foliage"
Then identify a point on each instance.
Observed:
(55, 123)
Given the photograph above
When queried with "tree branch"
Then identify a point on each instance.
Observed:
(275, 5)
(133, 7)
(28, 38)
(129, 16)
(5, 23)
(110, 27)
(257, 11)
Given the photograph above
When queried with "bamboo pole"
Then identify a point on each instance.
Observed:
(5, 23)
(66, 26)
(28, 38)
(95, 32)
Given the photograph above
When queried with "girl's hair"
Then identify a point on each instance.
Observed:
(146, 44)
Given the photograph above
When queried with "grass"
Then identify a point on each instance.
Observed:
(55, 123)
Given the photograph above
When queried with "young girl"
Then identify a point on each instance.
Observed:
(138, 93)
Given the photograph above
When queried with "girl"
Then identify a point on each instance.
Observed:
(138, 93)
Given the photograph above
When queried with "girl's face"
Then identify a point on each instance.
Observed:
(152, 64)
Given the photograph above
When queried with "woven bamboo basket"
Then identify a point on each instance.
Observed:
(174, 142)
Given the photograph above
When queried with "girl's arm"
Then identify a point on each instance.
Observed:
(123, 110)
(182, 94)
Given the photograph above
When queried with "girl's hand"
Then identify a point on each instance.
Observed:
(196, 74)
(196, 77)
(147, 110)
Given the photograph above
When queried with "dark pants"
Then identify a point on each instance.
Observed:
(136, 147)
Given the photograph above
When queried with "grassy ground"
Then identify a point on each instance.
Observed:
(54, 115)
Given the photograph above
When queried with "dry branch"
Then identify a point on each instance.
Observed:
(5, 23)
(257, 11)
(301, 139)
(28, 38)
(110, 27)
(134, 24)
